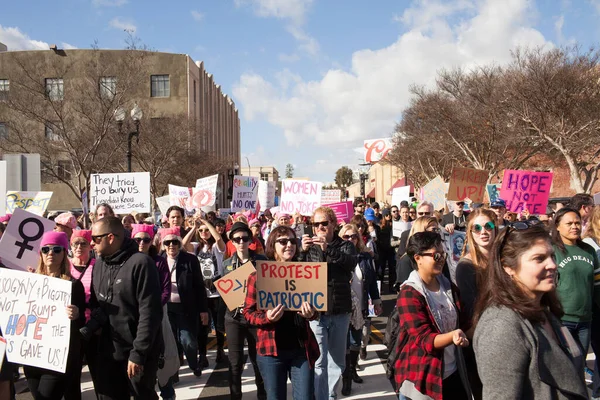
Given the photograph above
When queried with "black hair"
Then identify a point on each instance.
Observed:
(420, 242)
(219, 221)
(554, 232)
(175, 208)
(580, 200)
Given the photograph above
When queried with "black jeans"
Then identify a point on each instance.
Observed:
(44, 384)
(112, 382)
(452, 387)
(238, 330)
(595, 341)
(214, 309)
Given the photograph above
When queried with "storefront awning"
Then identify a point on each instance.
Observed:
(371, 194)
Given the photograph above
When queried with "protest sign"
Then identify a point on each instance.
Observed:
(400, 226)
(526, 190)
(597, 199)
(435, 192)
(34, 202)
(179, 195)
(344, 211)
(266, 194)
(34, 320)
(467, 183)
(3, 188)
(125, 192)
(377, 149)
(2, 351)
(291, 284)
(330, 196)
(224, 213)
(232, 287)
(453, 246)
(399, 194)
(245, 193)
(300, 196)
(20, 243)
(163, 203)
(205, 192)
(493, 192)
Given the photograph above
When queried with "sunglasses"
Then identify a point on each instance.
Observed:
(240, 239)
(284, 242)
(423, 213)
(412, 212)
(354, 236)
(519, 226)
(436, 256)
(79, 244)
(173, 242)
(203, 230)
(322, 223)
(146, 240)
(55, 249)
(98, 238)
(488, 226)
(460, 203)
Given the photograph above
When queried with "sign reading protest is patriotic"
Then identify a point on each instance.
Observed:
(34, 202)
(526, 190)
(467, 183)
(245, 193)
(205, 192)
(291, 284)
(435, 192)
(400, 194)
(300, 196)
(34, 320)
(330, 196)
(377, 149)
(343, 210)
(232, 287)
(20, 244)
(266, 194)
(125, 192)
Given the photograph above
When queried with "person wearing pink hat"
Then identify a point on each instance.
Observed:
(65, 222)
(5, 218)
(143, 234)
(255, 227)
(42, 383)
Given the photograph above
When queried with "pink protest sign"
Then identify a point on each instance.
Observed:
(528, 190)
(343, 211)
(300, 196)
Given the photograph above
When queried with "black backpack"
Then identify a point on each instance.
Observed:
(391, 338)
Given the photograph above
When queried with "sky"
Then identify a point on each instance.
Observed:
(312, 79)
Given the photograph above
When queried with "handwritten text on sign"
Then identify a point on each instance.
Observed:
(125, 193)
(467, 183)
(35, 202)
(232, 286)
(291, 284)
(343, 210)
(34, 320)
(300, 196)
(245, 193)
(208, 191)
(528, 190)
(435, 192)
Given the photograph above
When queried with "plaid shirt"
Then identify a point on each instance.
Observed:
(265, 332)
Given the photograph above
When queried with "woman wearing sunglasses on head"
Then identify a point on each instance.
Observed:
(286, 345)
(430, 365)
(522, 350)
(42, 383)
(237, 327)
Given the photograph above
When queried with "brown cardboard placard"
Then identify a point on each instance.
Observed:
(232, 287)
(467, 183)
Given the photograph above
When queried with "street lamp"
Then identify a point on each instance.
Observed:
(136, 116)
(364, 175)
(232, 173)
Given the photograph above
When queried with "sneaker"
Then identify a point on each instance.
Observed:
(363, 353)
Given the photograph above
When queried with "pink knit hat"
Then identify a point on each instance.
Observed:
(67, 219)
(137, 228)
(169, 231)
(254, 221)
(55, 238)
(82, 233)
(5, 218)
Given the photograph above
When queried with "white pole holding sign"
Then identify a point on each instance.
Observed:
(125, 192)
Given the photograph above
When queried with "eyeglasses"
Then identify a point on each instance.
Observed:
(423, 213)
(412, 212)
(55, 249)
(436, 256)
(146, 240)
(203, 230)
(79, 244)
(321, 223)
(460, 203)
(174, 242)
(240, 239)
(98, 238)
(488, 226)
(354, 236)
(284, 242)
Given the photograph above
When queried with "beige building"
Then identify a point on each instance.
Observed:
(381, 179)
(264, 173)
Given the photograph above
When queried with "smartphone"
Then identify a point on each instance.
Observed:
(308, 230)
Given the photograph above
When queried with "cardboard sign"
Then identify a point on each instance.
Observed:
(205, 192)
(435, 192)
(34, 320)
(20, 244)
(232, 287)
(291, 284)
(467, 183)
(3, 188)
(34, 202)
(125, 192)
(344, 211)
(377, 149)
(163, 204)
(528, 190)
(493, 192)
(266, 194)
(453, 246)
(300, 196)
(399, 194)
(245, 193)
(330, 196)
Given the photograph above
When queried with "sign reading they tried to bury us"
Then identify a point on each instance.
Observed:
(232, 287)
(291, 284)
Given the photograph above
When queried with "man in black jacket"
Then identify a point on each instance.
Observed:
(331, 330)
(126, 312)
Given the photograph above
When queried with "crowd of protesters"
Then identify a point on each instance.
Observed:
(513, 321)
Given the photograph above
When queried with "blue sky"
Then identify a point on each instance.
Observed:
(312, 78)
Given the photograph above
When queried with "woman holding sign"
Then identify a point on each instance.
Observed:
(286, 345)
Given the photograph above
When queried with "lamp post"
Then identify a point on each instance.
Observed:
(364, 175)
(136, 116)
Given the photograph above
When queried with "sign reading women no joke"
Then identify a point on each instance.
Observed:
(300, 196)
(291, 284)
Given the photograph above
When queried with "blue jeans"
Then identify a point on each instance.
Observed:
(581, 333)
(274, 371)
(331, 332)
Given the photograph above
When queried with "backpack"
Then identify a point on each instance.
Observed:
(391, 338)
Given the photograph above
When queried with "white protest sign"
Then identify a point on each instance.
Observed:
(266, 194)
(179, 195)
(400, 226)
(245, 193)
(330, 196)
(20, 244)
(34, 320)
(597, 198)
(163, 204)
(300, 196)
(124, 192)
(2, 350)
(205, 192)
(2, 188)
(399, 194)
(34, 202)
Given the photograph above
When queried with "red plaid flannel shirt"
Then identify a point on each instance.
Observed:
(419, 362)
(265, 332)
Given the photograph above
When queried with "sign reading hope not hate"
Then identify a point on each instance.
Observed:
(34, 320)
(291, 284)
(125, 193)
(467, 183)
(35, 202)
(300, 196)
(245, 193)
(526, 190)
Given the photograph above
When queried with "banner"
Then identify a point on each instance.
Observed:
(205, 192)
(34, 320)
(163, 203)
(300, 196)
(179, 195)
(467, 183)
(245, 193)
(266, 194)
(3, 178)
(399, 194)
(291, 284)
(435, 192)
(377, 149)
(453, 246)
(330, 196)
(34, 202)
(20, 243)
(528, 190)
(124, 192)
(493, 192)
(232, 287)
(344, 211)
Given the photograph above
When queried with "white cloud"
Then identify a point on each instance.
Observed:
(67, 46)
(365, 101)
(288, 58)
(558, 28)
(14, 39)
(197, 15)
(109, 3)
(123, 24)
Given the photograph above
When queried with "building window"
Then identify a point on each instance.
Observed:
(264, 176)
(55, 89)
(160, 86)
(50, 132)
(108, 87)
(63, 169)
(194, 91)
(4, 89)
(3, 131)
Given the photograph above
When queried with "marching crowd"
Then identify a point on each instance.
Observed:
(512, 319)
